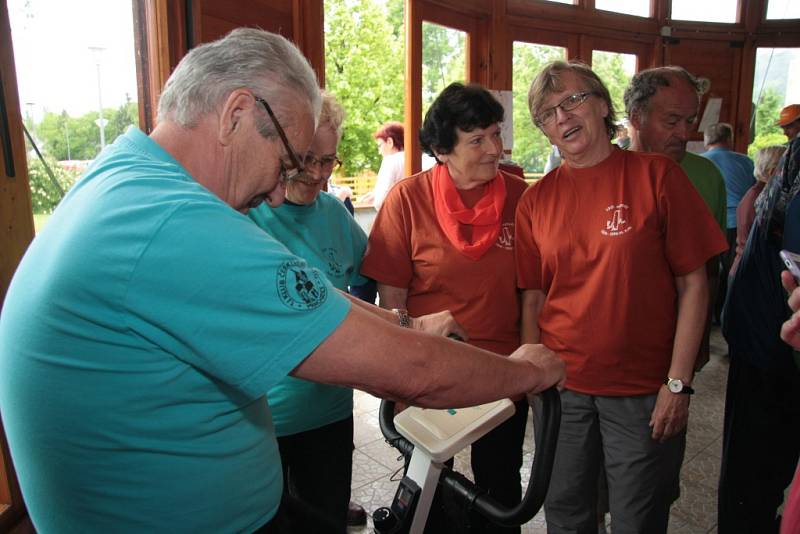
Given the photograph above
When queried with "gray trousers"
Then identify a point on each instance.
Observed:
(643, 474)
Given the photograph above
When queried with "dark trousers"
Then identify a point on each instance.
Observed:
(496, 460)
(761, 441)
(296, 517)
(317, 469)
(726, 261)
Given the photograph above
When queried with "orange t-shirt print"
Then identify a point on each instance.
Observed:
(408, 249)
(605, 244)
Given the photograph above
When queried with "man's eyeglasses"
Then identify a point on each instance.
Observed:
(326, 163)
(567, 104)
(298, 171)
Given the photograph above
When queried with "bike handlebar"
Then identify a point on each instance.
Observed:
(546, 438)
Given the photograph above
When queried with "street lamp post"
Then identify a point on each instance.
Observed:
(97, 51)
(66, 132)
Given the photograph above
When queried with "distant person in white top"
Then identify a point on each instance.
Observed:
(390, 146)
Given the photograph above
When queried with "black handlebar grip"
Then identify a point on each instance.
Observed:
(393, 437)
(546, 438)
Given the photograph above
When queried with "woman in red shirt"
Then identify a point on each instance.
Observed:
(444, 240)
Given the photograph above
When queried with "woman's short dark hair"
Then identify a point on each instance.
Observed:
(393, 131)
(465, 107)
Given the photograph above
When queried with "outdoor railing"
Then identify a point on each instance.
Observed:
(364, 183)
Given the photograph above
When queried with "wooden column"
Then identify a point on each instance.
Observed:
(16, 233)
(413, 83)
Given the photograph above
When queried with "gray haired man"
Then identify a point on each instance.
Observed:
(146, 322)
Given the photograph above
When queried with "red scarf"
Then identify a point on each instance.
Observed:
(484, 218)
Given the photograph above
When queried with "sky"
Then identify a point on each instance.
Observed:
(56, 70)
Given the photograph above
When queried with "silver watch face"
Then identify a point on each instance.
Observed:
(675, 385)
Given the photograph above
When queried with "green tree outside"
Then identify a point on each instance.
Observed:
(767, 133)
(65, 137)
(610, 67)
(364, 69)
(45, 195)
(62, 137)
(531, 147)
(443, 60)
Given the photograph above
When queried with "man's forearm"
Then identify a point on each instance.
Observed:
(692, 311)
(416, 368)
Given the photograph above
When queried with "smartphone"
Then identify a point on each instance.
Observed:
(792, 262)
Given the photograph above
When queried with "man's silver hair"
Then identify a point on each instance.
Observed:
(265, 63)
(718, 133)
(646, 83)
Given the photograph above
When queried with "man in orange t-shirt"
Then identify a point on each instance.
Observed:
(610, 250)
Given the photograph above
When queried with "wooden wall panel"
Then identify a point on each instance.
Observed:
(174, 26)
(720, 63)
(220, 17)
(16, 232)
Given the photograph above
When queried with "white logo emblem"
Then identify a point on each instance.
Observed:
(505, 239)
(617, 223)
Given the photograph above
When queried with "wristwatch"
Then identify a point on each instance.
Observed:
(676, 385)
(402, 317)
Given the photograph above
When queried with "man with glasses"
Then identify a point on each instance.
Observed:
(610, 255)
(146, 322)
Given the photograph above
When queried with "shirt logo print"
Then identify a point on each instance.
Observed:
(334, 268)
(618, 222)
(505, 239)
(299, 287)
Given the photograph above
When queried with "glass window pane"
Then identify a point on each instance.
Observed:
(616, 71)
(443, 60)
(705, 11)
(78, 96)
(562, 1)
(639, 8)
(531, 147)
(367, 82)
(776, 84)
(783, 9)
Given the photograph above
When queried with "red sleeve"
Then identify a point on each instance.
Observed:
(388, 256)
(692, 235)
(526, 252)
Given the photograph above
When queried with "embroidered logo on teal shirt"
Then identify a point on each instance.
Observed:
(300, 287)
(334, 265)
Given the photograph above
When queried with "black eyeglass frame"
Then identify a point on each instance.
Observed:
(583, 96)
(299, 170)
(333, 162)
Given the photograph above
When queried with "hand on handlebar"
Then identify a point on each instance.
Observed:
(439, 324)
(550, 366)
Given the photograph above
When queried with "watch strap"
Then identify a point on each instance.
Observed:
(402, 317)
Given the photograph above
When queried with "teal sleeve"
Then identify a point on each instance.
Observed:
(239, 305)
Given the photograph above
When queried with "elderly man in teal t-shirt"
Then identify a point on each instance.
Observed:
(146, 322)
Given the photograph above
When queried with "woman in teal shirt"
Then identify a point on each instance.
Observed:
(314, 422)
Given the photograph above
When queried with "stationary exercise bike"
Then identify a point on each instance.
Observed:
(431, 437)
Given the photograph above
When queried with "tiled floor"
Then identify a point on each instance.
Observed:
(375, 464)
